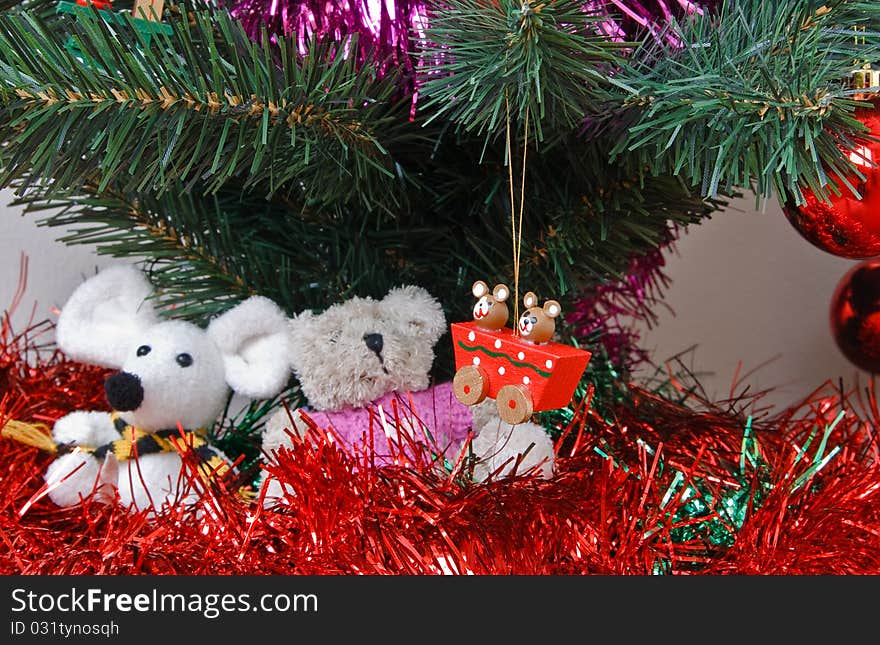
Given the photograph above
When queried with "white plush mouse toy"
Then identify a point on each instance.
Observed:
(170, 373)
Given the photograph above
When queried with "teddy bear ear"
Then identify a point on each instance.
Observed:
(479, 289)
(105, 315)
(501, 292)
(530, 299)
(305, 330)
(417, 309)
(552, 308)
(254, 341)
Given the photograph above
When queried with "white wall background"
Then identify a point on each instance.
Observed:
(55, 269)
(746, 287)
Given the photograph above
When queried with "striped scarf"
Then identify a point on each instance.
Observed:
(134, 443)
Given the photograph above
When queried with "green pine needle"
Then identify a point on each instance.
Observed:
(755, 98)
(541, 58)
(203, 105)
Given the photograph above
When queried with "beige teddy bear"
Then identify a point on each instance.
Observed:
(363, 358)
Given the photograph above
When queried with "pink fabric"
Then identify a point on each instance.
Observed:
(447, 420)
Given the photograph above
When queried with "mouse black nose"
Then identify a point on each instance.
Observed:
(374, 342)
(124, 391)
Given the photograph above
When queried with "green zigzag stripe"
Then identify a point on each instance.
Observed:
(503, 355)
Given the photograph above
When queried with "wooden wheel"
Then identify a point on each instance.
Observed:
(514, 404)
(471, 384)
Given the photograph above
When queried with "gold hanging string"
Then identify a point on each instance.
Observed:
(516, 228)
(512, 219)
(522, 206)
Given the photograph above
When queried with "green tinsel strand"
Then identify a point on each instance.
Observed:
(722, 510)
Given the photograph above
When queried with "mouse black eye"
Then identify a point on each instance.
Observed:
(143, 350)
(184, 360)
(534, 320)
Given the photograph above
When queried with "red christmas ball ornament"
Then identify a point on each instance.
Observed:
(855, 315)
(848, 227)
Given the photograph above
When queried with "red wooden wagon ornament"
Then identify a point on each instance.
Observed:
(520, 368)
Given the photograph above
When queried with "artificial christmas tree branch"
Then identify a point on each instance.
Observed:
(45, 8)
(206, 249)
(750, 96)
(204, 104)
(194, 261)
(542, 57)
(756, 96)
(450, 193)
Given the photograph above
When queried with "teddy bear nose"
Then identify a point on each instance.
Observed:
(124, 391)
(374, 342)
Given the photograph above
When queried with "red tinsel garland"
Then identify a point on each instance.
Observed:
(37, 382)
(662, 489)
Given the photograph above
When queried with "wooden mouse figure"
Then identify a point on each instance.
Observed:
(537, 324)
(490, 311)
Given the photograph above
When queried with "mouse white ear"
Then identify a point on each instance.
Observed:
(530, 299)
(479, 289)
(552, 308)
(105, 315)
(501, 292)
(253, 338)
